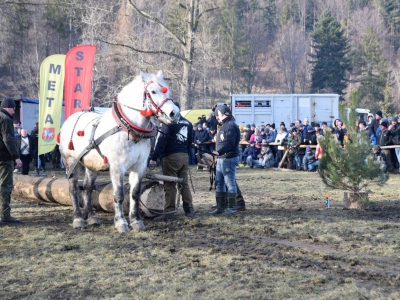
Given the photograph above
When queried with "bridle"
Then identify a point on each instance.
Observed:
(147, 96)
(131, 128)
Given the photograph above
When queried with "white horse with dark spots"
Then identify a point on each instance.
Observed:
(117, 141)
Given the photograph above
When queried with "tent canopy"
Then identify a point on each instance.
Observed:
(193, 114)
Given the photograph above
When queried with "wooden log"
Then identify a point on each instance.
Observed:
(56, 190)
(160, 177)
(284, 157)
(352, 199)
(153, 200)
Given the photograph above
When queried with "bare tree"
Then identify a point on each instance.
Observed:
(290, 53)
(182, 35)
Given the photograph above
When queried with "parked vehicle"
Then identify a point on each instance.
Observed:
(276, 108)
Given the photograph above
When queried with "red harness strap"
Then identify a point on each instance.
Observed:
(127, 126)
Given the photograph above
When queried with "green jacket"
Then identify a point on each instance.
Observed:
(8, 148)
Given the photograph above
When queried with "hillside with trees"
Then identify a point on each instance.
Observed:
(211, 49)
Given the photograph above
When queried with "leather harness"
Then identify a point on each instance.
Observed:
(136, 132)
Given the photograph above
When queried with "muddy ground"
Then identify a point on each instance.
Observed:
(286, 245)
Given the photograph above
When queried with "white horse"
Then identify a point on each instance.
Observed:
(117, 141)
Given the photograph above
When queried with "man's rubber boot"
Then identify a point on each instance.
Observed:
(240, 204)
(220, 199)
(232, 203)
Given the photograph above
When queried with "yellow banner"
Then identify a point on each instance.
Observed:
(52, 73)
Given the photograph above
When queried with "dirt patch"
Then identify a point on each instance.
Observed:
(285, 245)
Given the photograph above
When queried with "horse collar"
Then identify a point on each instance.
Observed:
(127, 126)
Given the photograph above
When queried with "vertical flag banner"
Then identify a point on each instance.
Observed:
(78, 78)
(50, 101)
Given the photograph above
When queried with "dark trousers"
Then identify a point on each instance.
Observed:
(56, 157)
(25, 159)
(6, 187)
(176, 165)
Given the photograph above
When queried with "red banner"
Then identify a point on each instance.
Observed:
(78, 78)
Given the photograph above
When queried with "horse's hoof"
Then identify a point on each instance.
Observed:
(79, 223)
(138, 226)
(122, 228)
(93, 221)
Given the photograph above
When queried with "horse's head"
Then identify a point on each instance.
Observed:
(157, 98)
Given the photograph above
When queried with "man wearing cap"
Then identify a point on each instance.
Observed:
(172, 145)
(8, 154)
(394, 129)
(310, 163)
(201, 137)
(310, 138)
(306, 124)
(324, 125)
(374, 125)
(251, 155)
(385, 139)
(16, 125)
(228, 138)
(247, 133)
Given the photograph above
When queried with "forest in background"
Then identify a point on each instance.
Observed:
(209, 49)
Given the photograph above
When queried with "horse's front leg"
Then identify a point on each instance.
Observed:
(117, 179)
(134, 196)
(88, 183)
(78, 221)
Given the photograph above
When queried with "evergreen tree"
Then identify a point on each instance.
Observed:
(329, 58)
(351, 168)
(372, 71)
(391, 14)
(236, 43)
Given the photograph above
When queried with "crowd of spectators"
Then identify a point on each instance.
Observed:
(256, 151)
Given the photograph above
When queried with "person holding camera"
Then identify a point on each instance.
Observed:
(266, 158)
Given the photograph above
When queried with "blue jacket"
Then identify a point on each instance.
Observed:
(252, 151)
(271, 137)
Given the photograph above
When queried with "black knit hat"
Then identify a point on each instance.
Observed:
(224, 109)
(8, 103)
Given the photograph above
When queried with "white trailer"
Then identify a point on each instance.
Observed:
(276, 108)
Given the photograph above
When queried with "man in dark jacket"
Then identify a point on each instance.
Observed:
(212, 121)
(310, 163)
(251, 155)
(395, 132)
(228, 158)
(8, 154)
(373, 126)
(172, 145)
(310, 137)
(385, 139)
(200, 138)
(35, 136)
(25, 144)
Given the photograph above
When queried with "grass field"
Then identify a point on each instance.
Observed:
(286, 245)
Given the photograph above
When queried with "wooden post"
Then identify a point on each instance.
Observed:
(284, 156)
